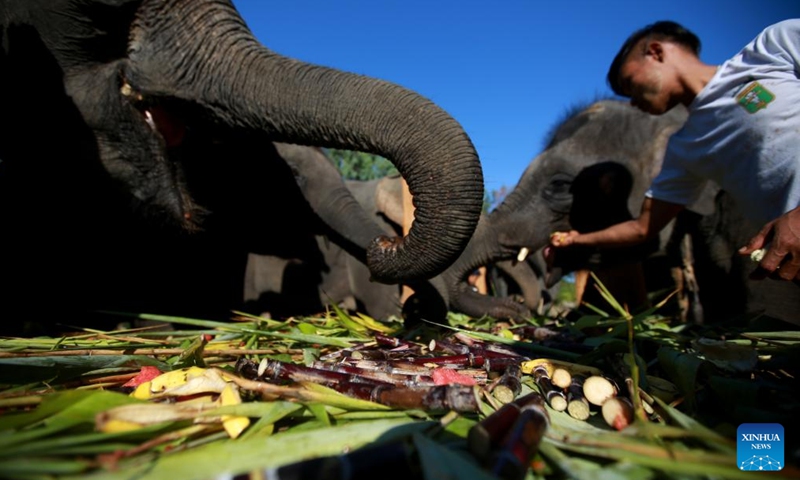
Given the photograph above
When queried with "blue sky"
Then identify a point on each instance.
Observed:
(507, 70)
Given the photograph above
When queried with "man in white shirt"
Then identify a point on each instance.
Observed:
(743, 132)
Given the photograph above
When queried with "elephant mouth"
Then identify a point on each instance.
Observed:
(169, 127)
(170, 131)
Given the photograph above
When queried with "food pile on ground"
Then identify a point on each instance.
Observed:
(343, 396)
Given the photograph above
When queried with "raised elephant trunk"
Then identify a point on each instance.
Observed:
(238, 82)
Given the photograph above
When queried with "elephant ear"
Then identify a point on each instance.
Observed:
(600, 196)
(389, 198)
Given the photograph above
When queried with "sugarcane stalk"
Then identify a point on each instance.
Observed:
(479, 347)
(389, 366)
(597, 389)
(617, 412)
(276, 370)
(412, 380)
(352, 351)
(646, 400)
(396, 343)
(421, 365)
(555, 396)
(509, 385)
(448, 347)
(561, 378)
(461, 398)
(577, 405)
(531, 332)
(467, 360)
(512, 460)
(488, 434)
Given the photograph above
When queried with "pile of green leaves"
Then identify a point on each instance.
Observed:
(52, 391)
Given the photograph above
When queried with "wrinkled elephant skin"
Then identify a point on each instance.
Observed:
(119, 97)
(594, 170)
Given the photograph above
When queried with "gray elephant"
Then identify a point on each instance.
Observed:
(726, 290)
(137, 108)
(594, 170)
(326, 273)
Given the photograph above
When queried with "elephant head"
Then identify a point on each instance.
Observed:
(128, 82)
(331, 268)
(602, 155)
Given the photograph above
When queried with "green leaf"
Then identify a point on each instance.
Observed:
(328, 396)
(246, 455)
(348, 323)
(58, 412)
(373, 324)
(61, 368)
(268, 414)
(30, 466)
(320, 413)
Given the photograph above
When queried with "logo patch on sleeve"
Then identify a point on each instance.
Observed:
(754, 97)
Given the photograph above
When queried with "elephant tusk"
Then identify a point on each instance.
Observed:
(523, 254)
(148, 117)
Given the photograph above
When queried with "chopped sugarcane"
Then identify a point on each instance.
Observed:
(597, 389)
(409, 380)
(467, 360)
(577, 405)
(389, 366)
(509, 384)
(561, 377)
(531, 332)
(646, 400)
(448, 347)
(440, 398)
(489, 432)
(617, 412)
(554, 395)
(395, 342)
(512, 460)
(277, 370)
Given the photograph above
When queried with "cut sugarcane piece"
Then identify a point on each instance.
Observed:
(555, 396)
(617, 412)
(577, 405)
(561, 378)
(550, 365)
(512, 460)
(509, 384)
(487, 434)
(597, 389)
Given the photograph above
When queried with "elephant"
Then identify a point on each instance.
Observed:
(726, 291)
(596, 166)
(594, 172)
(326, 273)
(135, 107)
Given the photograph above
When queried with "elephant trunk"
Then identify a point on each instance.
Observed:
(483, 249)
(238, 82)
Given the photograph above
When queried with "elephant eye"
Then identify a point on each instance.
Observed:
(558, 185)
(557, 192)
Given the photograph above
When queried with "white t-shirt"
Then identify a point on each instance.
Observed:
(743, 131)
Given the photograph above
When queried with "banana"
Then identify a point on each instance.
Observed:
(233, 425)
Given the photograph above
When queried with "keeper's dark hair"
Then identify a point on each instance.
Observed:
(664, 30)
